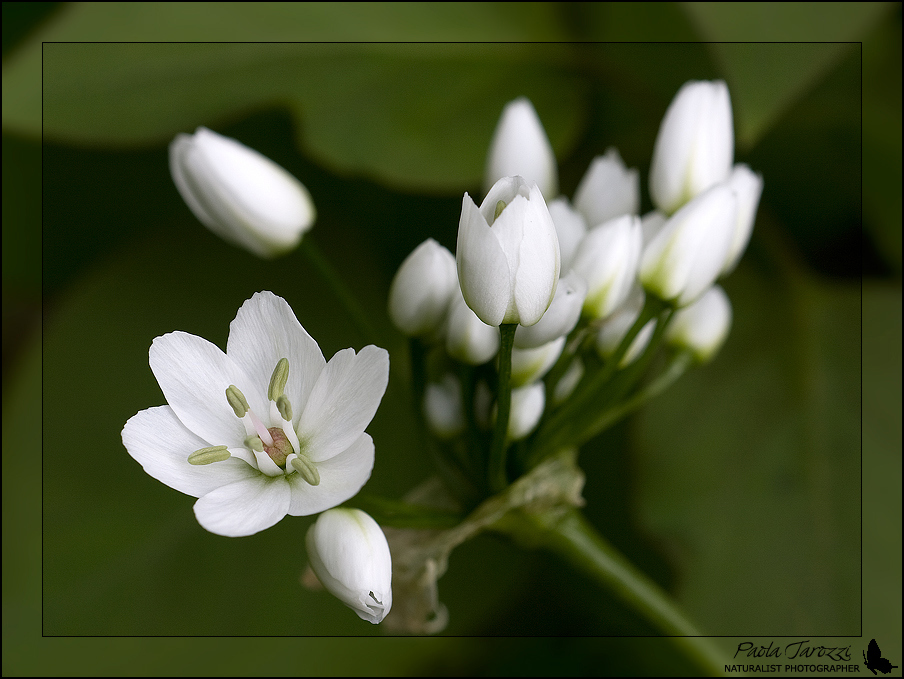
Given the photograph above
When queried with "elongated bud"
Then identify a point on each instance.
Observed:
(520, 147)
(422, 289)
(748, 187)
(608, 190)
(695, 145)
(350, 556)
(468, 339)
(702, 327)
(560, 318)
(239, 194)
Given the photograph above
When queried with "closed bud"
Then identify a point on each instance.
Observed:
(239, 194)
(748, 187)
(526, 410)
(561, 317)
(688, 253)
(570, 230)
(443, 407)
(422, 289)
(350, 556)
(702, 327)
(695, 146)
(468, 339)
(520, 147)
(609, 189)
(508, 254)
(529, 365)
(607, 260)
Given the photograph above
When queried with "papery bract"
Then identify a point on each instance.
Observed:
(695, 145)
(266, 429)
(350, 556)
(239, 194)
(520, 147)
(508, 254)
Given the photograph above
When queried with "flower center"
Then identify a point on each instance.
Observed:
(281, 447)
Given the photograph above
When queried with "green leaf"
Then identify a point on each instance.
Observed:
(411, 114)
(750, 467)
(766, 79)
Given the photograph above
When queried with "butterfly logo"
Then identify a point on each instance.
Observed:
(874, 660)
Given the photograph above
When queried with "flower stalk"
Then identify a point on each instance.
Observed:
(497, 473)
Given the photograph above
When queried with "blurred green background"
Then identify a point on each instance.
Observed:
(763, 490)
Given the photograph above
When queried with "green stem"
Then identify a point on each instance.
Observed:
(572, 537)
(340, 290)
(496, 466)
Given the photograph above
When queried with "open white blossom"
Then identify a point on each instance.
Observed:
(266, 429)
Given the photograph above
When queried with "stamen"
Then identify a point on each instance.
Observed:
(306, 469)
(500, 206)
(237, 400)
(278, 380)
(254, 443)
(209, 455)
(285, 408)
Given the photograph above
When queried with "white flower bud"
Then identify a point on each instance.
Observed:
(529, 365)
(651, 224)
(468, 339)
(607, 260)
(703, 326)
(520, 147)
(561, 317)
(569, 381)
(422, 289)
(748, 187)
(508, 254)
(695, 145)
(350, 556)
(616, 326)
(688, 253)
(570, 230)
(239, 194)
(526, 410)
(443, 407)
(608, 190)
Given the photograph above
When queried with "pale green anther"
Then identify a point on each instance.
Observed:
(237, 400)
(255, 443)
(209, 455)
(285, 408)
(306, 469)
(278, 380)
(500, 206)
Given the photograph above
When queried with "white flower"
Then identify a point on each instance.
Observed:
(570, 229)
(468, 339)
(695, 145)
(607, 260)
(748, 187)
(561, 317)
(529, 365)
(266, 429)
(520, 147)
(687, 254)
(608, 189)
(239, 194)
(350, 556)
(702, 327)
(508, 254)
(527, 409)
(422, 289)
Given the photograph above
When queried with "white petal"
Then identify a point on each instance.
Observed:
(244, 508)
(161, 444)
(266, 330)
(483, 270)
(344, 401)
(341, 477)
(537, 272)
(194, 375)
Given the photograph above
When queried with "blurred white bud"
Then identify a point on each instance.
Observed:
(468, 339)
(607, 260)
(350, 556)
(560, 318)
(526, 410)
(508, 254)
(570, 229)
(529, 365)
(688, 253)
(695, 146)
(443, 407)
(608, 190)
(702, 327)
(422, 289)
(569, 381)
(616, 326)
(520, 147)
(748, 187)
(239, 194)
(651, 224)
